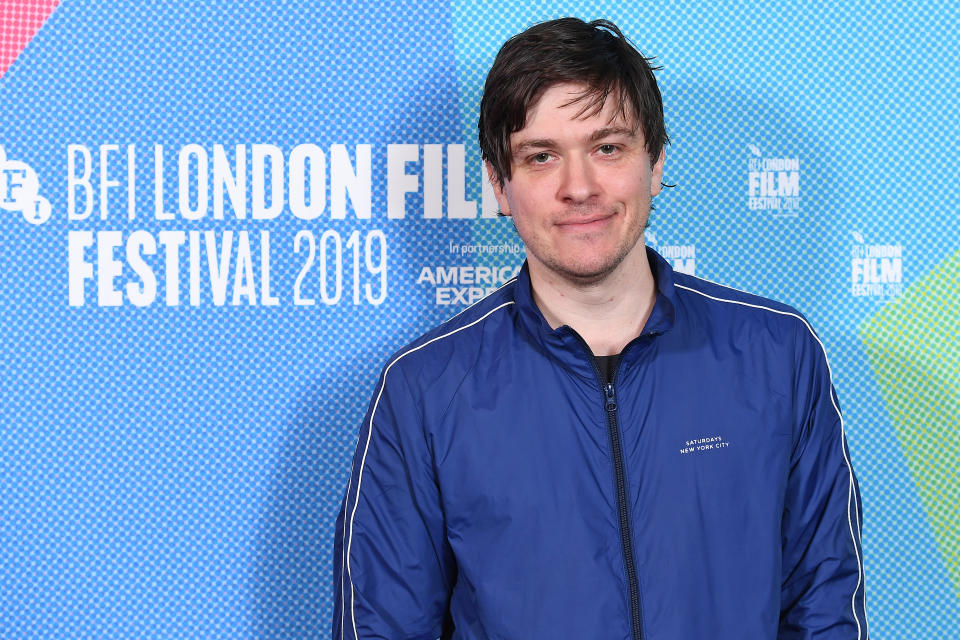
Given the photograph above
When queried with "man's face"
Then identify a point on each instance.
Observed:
(580, 187)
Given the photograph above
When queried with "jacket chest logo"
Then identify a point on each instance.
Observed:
(709, 444)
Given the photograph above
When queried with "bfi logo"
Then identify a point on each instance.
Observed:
(20, 190)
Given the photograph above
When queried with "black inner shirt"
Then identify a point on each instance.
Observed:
(608, 366)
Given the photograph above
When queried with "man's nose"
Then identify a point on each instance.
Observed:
(578, 180)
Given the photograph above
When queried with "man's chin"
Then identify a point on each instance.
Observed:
(586, 273)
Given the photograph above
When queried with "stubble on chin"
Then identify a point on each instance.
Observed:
(589, 272)
(584, 273)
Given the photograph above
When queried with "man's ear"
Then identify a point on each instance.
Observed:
(656, 173)
(498, 192)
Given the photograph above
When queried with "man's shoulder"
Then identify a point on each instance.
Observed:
(725, 296)
(458, 335)
(717, 303)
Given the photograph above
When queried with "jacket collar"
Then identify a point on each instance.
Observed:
(564, 344)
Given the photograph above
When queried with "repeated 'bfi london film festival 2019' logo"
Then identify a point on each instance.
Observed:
(20, 190)
(876, 270)
(773, 183)
(682, 257)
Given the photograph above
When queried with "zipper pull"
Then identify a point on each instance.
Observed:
(611, 397)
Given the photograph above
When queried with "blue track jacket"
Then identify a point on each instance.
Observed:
(502, 490)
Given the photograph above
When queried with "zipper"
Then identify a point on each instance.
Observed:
(626, 537)
(616, 450)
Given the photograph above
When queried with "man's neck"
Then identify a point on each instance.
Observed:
(608, 313)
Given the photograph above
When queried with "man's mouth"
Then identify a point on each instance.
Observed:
(586, 223)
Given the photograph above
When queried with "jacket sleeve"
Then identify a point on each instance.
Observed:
(823, 590)
(393, 567)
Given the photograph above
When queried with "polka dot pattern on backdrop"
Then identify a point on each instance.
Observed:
(174, 470)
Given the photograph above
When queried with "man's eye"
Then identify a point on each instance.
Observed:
(540, 158)
(607, 149)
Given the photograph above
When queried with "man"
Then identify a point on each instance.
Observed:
(602, 448)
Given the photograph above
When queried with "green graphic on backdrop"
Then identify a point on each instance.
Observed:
(913, 345)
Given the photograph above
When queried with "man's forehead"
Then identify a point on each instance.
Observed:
(608, 110)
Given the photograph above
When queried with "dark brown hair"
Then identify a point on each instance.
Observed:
(569, 50)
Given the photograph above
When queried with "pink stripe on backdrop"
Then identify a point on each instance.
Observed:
(19, 22)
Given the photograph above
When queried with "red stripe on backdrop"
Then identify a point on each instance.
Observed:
(19, 22)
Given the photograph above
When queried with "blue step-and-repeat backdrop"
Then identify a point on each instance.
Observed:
(218, 218)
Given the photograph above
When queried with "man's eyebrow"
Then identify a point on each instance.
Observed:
(599, 134)
(539, 143)
(612, 131)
